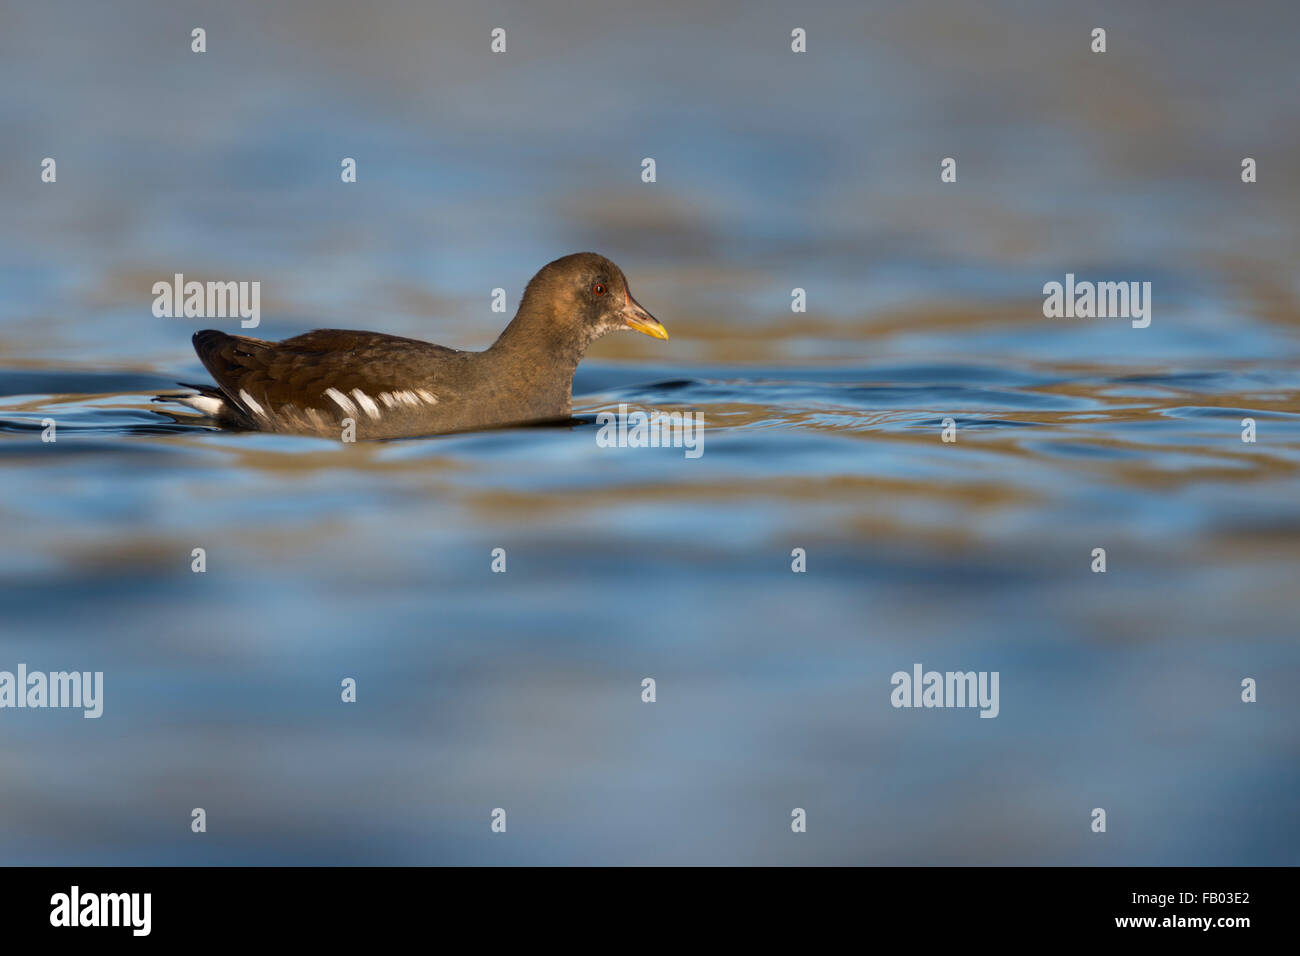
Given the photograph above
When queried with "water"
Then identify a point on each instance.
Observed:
(523, 690)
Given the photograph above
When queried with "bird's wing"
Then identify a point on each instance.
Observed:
(324, 369)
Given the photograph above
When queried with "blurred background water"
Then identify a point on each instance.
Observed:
(522, 690)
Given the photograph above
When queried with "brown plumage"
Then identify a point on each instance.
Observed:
(393, 387)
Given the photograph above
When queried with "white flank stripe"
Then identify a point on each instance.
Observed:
(366, 402)
(253, 406)
(388, 399)
(429, 397)
(341, 400)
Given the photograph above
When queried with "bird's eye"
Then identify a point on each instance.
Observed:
(598, 289)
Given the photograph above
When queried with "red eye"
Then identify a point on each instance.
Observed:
(598, 289)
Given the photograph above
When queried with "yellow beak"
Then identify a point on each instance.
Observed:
(639, 320)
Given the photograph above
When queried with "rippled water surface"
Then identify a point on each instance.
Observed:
(522, 690)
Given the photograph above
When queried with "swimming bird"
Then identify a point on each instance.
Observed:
(394, 387)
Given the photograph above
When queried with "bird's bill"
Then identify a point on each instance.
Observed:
(639, 320)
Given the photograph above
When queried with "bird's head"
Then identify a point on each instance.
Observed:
(584, 296)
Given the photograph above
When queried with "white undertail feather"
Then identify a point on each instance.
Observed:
(202, 403)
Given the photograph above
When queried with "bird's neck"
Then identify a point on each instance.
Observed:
(543, 353)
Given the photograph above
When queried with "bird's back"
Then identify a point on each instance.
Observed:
(388, 385)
